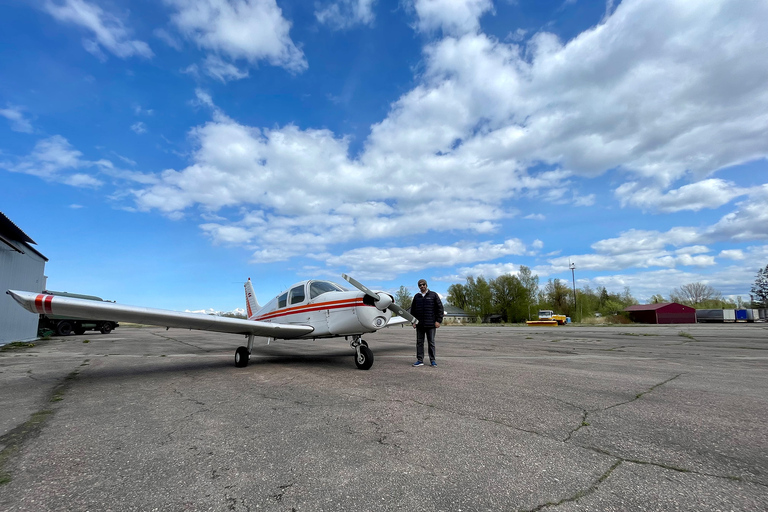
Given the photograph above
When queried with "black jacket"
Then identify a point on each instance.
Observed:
(427, 309)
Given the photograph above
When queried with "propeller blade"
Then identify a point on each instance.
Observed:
(403, 313)
(360, 286)
(375, 296)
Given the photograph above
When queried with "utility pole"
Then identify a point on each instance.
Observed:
(572, 266)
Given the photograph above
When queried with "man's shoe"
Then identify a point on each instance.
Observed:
(434, 363)
(418, 363)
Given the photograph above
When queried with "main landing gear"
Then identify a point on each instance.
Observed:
(363, 355)
(243, 354)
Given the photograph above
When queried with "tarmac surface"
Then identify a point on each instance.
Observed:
(572, 418)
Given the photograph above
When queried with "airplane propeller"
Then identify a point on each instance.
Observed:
(382, 301)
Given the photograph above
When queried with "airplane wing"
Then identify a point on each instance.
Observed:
(95, 310)
(397, 320)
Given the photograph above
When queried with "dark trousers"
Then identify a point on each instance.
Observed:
(430, 335)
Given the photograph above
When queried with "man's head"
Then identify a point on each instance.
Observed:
(422, 285)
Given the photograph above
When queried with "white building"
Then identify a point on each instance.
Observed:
(22, 267)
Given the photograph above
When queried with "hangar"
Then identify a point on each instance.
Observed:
(22, 267)
(662, 313)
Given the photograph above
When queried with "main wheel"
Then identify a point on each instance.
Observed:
(241, 357)
(364, 358)
(106, 328)
(64, 328)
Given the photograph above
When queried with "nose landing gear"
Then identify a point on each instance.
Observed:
(363, 355)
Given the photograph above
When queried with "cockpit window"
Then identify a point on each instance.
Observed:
(281, 300)
(297, 294)
(320, 287)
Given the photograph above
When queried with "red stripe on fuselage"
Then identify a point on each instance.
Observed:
(320, 306)
(39, 303)
(47, 304)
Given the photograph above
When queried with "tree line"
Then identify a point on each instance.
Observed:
(517, 298)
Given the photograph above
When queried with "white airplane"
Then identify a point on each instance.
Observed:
(307, 310)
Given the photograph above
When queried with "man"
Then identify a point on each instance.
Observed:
(428, 310)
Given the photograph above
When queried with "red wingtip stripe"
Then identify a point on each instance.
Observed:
(39, 303)
(47, 304)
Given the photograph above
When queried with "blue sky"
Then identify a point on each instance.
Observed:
(161, 152)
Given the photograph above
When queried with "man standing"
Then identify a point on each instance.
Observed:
(428, 310)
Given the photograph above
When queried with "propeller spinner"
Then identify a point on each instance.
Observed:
(382, 301)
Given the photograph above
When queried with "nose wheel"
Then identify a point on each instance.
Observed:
(363, 355)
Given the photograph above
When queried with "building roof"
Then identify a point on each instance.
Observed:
(451, 310)
(10, 230)
(653, 307)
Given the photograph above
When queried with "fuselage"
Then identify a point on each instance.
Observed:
(329, 308)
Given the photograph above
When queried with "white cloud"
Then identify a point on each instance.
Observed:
(109, 31)
(139, 127)
(453, 17)
(223, 71)
(16, 116)
(252, 30)
(660, 93)
(52, 159)
(710, 193)
(342, 14)
(386, 263)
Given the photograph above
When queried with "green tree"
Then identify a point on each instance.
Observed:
(759, 290)
(557, 295)
(403, 297)
(530, 283)
(657, 299)
(509, 298)
(479, 296)
(457, 296)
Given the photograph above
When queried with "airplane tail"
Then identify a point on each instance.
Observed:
(251, 304)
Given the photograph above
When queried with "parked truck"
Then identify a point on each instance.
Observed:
(715, 315)
(64, 326)
(548, 314)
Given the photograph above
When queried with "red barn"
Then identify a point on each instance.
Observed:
(664, 313)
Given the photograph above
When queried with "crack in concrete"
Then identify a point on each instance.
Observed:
(14, 440)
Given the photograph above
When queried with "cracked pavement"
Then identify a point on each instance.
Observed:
(514, 418)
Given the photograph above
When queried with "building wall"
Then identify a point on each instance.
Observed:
(24, 272)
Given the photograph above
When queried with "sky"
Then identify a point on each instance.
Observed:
(161, 152)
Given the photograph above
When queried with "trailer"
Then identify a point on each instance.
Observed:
(64, 326)
(715, 315)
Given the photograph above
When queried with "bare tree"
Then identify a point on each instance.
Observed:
(694, 294)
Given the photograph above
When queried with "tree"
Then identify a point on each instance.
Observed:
(403, 297)
(530, 284)
(695, 294)
(760, 289)
(657, 299)
(557, 294)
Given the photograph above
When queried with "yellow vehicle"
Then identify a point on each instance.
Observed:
(547, 315)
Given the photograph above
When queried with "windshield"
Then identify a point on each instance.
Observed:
(320, 287)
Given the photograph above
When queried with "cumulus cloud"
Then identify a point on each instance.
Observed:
(386, 263)
(251, 30)
(453, 17)
(342, 14)
(662, 92)
(710, 193)
(109, 31)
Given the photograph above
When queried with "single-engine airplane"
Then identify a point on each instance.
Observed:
(307, 310)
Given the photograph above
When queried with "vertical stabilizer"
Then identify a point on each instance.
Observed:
(251, 304)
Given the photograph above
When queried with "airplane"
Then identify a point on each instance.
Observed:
(311, 309)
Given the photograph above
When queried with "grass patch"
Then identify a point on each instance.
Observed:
(86, 341)
(16, 345)
(686, 335)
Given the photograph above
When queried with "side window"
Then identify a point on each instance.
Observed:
(281, 300)
(297, 294)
